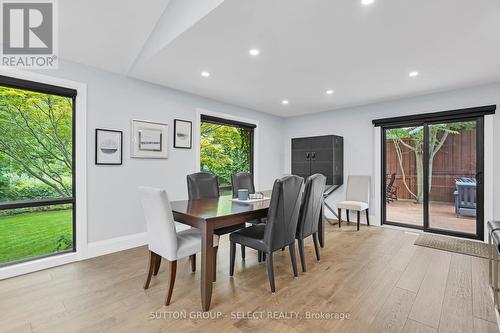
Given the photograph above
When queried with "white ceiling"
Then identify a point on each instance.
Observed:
(108, 34)
(364, 53)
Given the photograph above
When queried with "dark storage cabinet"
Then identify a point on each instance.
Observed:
(319, 154)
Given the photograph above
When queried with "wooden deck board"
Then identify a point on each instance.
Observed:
(442, 216)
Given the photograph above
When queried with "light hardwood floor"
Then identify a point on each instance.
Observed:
(376, 275)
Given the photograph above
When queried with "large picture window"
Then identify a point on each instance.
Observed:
(226, 147)
(37, 184)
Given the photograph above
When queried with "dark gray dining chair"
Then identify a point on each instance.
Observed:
(242, 181)
(204, 185)
(310, 212)
(280, 229)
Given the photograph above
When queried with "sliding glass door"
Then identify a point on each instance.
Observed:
(432, 176)
(454, 173)
(403, 173)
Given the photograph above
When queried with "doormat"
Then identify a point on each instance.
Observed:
(450, 244)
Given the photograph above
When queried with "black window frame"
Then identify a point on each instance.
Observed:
(11, 82)
(238, 124)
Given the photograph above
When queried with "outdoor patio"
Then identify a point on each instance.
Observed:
(442, 216)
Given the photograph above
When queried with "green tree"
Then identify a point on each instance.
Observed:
(4, 180)
(36, 137)
(224, 150)
(413, 139)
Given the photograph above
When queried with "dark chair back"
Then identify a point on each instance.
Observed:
(242, 181)
(202, 185)
(310, 210)
(283, 212)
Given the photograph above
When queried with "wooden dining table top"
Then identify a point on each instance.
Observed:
(212, 208)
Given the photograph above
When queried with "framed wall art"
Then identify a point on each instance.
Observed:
(183, 134)
(149, 139)
(108, 147)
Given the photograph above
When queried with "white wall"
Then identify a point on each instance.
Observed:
(112, 101)
(355, 125)
(113, 205)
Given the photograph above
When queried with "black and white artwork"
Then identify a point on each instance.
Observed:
(108, 147)
(183, 133)
(149, 139)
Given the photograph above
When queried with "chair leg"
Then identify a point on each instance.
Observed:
(293, 258)
(192, 258)
(173, 271)
(490, 261)
(367, 217)
(243, 252)
(151, 268)
(340, 216)
(347, 213)
(495, 279)
(359, 218)
(157, 265)
(259, 256)
(232, 252)
(216, 249)
(301, 254)
(270, 272)
(263, 256)
(316, 245)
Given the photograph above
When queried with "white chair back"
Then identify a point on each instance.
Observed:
(358, 189)
(162, 235)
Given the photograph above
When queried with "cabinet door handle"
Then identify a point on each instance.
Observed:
(308, 156)
(313, 155)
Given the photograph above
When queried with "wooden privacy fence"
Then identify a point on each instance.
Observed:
(457, 158)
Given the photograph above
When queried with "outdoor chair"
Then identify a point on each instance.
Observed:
(465, 196)
(391, 191)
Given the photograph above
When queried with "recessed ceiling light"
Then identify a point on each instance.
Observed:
(413, 74)
(254, 52)
(329, 92)
(205, 74)
(367, 2)
(284, 102)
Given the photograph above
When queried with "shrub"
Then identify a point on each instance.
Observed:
(63, 244)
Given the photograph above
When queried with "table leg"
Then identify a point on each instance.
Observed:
(321, 228)
(207, 265)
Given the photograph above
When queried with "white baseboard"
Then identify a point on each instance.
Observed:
(100, 248)
(94, 249)
(37, 265)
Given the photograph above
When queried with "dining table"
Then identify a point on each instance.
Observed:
(211, 214)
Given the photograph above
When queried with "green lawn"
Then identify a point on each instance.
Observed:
(30, 235)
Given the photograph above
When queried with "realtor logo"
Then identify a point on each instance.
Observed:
(29, 34)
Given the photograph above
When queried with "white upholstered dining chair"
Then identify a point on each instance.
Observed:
(166, 238)
(357, 198)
